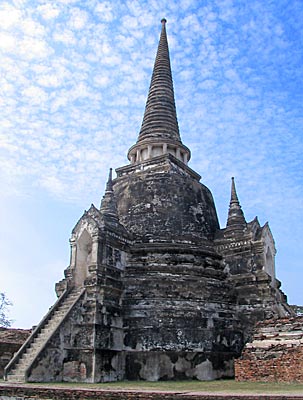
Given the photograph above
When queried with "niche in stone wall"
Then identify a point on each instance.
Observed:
(115, 257)
(83, 257)
(74, 371)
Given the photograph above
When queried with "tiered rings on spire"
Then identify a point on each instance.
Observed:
(235, 214)
(159, 132)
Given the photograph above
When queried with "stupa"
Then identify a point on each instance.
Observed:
(155, 290)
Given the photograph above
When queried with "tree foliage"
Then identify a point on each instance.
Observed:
(5, 322)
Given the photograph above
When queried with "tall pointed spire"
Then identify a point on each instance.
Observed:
(159, 132)
(108, 205)
(160, 117)
(235, 214)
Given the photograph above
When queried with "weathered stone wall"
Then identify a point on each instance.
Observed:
(10, 342)
(178, 321)
(275, 353)
(83, 347)
(178, 365)
(256, 292)
(88, 344)
(164, 201)
(68, 354)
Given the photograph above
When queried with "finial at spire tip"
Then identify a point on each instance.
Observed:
(110, 175)
(163, 21)
(109, 184)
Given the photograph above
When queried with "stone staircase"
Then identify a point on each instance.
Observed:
(16, 370)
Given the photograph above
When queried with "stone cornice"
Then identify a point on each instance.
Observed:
(156, 162)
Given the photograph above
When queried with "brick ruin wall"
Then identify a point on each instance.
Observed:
(10, 342)
(275, 354)
(287, 368)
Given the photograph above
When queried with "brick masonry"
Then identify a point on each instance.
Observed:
(275, 353)
(10, 342)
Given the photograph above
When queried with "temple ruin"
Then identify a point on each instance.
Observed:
(155, 289)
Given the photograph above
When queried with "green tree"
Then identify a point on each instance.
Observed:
(4, 304)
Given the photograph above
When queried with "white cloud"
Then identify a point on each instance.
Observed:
(74, 80)
(48, 11)
(65, 36)
(31, 47)
(131, 23)
(53, 184)
(7, 42)
(78, 18)
(32, 28)
(34, 95)
(61, 100)
(49, 80)
(104, 11)
(9, 16)
(102, 80)
(66, 2)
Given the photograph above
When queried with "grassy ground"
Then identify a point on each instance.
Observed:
(221, 386)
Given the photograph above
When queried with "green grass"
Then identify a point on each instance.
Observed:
(221, 386)
(213, 386)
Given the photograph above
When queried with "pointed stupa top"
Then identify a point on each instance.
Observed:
(109, 183)
(160, 117)
(160, 128)
(235, 213)
(108, 207)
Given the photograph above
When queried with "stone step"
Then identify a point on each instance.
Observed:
(64, 306)
(52, 326)
(38, 346)
(40, 338)
(16, 378)
(18, 373)
(58, 314)
(47, 329)
(22, 363)
(54, 321)
(32, 351)
(13, 371)
(69, 300)
(24, 359)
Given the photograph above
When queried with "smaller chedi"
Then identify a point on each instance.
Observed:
(155, 289)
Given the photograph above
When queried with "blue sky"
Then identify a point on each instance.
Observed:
(74, 78)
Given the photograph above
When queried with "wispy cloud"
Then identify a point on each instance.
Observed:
(73, 83)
